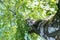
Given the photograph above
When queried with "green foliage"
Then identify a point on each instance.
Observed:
(14, 12)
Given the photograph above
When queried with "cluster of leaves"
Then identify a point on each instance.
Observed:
(14, 12)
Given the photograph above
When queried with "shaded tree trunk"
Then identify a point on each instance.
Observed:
(43, 28)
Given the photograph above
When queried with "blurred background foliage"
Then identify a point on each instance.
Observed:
(13, 14)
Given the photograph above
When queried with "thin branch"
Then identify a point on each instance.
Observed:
(5, 6)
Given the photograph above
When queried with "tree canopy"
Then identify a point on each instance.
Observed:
(13, 14)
